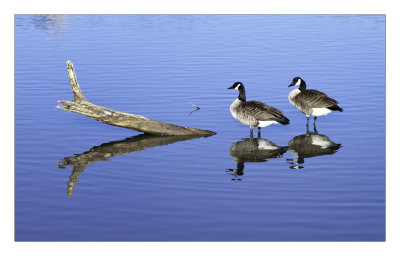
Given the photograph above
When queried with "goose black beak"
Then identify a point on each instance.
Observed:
(232, 87)
(290, 85)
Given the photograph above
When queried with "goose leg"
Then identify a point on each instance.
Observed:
(259, 132)
(240, 168)
(251, 131)
(315, 128)
(308, 118)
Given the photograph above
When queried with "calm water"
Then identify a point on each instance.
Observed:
(80, 180)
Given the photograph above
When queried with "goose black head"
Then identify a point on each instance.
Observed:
(298, 81)
(237, 86)
(240, 87)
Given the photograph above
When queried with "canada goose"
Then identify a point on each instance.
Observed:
(253, 150)
(254, 113)
(311, 102)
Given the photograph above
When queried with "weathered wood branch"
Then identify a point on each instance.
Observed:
(105, 115)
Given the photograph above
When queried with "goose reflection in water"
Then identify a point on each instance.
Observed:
(310, 144)
(115, 148)
(253, 150)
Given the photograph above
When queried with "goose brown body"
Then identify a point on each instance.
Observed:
(255, 113)
(307, 100)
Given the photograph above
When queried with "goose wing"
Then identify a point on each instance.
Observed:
(316, 99)
(261, 111)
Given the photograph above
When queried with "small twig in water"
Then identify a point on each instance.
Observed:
(197, 108)
(194, 105)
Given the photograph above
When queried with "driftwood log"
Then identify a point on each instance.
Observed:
(105, 115)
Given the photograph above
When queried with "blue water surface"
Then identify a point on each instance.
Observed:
(80, 180)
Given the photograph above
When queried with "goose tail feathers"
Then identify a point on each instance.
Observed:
(283, 120)
(336, 107)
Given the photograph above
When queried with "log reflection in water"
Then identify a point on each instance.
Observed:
(115, 148)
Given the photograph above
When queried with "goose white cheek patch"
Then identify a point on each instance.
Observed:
(298, 82)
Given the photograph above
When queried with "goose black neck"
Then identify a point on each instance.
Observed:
(302, 86)
(242, 93)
